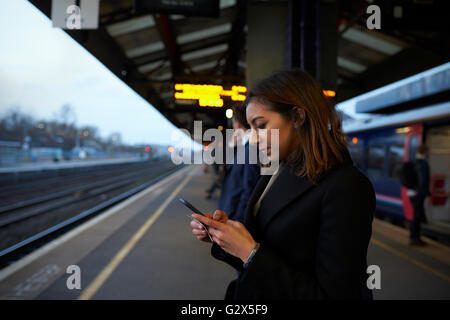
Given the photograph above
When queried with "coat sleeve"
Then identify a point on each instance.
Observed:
(343, 238)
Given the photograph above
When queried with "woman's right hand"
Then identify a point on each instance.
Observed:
(199, 231)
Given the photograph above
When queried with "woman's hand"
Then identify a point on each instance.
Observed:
(230, 235)
(199, 231)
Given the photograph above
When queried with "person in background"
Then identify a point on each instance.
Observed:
(419, 194)
(217, 183)
(239, 179)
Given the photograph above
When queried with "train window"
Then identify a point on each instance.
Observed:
(356, 152)
(412, 148)
(375, 161)
(396, 152)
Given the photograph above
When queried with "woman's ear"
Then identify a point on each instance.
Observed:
(298, 116)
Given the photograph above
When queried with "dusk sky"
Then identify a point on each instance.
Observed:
(42, 68)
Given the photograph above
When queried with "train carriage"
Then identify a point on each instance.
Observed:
(380, 146)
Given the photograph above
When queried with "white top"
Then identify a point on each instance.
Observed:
(269, 184)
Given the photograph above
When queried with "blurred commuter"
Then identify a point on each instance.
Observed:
(218, 177)
(308, 226)
(419, 194)
(239, 179)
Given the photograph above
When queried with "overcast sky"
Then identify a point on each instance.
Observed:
(42, 68)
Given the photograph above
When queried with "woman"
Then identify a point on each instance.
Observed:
(308, 226)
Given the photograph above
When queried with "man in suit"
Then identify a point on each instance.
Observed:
(240, 178)
(419, 194)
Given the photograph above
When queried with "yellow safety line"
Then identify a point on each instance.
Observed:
(412, 260)
(95, 285)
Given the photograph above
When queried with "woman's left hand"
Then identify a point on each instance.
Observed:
(231, 236)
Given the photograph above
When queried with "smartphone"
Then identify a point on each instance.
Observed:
(190, 206)
(195, 210)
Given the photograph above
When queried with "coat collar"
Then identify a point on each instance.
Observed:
(283, 191)
(286, 188)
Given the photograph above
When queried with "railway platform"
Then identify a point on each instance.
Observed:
(66, 164)
(143, 248)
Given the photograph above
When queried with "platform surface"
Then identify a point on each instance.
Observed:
(143, 248)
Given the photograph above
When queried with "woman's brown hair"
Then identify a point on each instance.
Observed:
(322, 142)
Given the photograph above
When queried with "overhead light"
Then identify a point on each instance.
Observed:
(403, 130)
(371, 41)
(229, 113)
(204, 33)
(204, 52)
(120, 28)
(350, 65)
(206, 65)
(227, 3)
(329, 93)
(153, 65)
(149, 48)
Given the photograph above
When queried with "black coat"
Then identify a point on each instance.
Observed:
(237, 186)
(314, 238)
(423, 178)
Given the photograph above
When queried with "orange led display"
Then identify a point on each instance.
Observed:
(209, 95)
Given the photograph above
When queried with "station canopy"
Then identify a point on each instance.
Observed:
(154, 51)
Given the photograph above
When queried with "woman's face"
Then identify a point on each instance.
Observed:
(261, 116)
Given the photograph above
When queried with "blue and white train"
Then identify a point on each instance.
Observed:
(380, 146)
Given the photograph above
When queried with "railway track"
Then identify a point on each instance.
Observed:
(28, 223)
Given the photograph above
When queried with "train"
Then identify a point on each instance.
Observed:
(380, 146)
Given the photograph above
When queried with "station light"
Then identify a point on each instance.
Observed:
(208, 95)
(329, 93)
(170, 149)
(220, 128)
(355, 140)
(147, 149)
(403, 130)
(229, 113)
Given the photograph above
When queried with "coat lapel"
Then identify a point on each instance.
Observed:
(284, 190)
(249, 217)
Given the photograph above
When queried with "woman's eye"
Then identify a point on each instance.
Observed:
(261, 126)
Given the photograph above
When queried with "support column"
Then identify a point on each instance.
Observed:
(266, 24)
(311, 39)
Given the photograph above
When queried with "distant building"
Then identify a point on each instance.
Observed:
(10, 152)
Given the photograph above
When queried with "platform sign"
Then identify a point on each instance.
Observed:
(208, 95)
(201, 8)
(73, 14)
